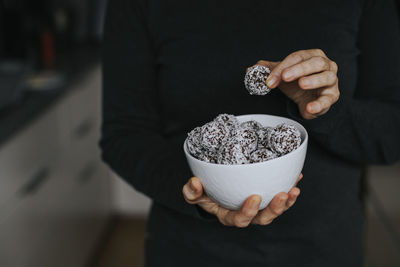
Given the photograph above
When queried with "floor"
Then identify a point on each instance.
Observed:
(124, 245)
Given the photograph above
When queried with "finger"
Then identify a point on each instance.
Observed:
(275, 76)
(245, 215)
(293, 194)
(300, 177)
(275, 208)
(305, 68)
(321, 105)
(208, 205)
(269, 64)
(323, 79)
(192, 190)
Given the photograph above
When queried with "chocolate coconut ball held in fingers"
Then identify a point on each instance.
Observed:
(256, 80)
(307, 77)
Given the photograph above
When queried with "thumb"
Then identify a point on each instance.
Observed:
(193, 190)
(269, 64)
(271, 80)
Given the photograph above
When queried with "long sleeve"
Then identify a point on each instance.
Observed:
(132, 141)
(364, 128)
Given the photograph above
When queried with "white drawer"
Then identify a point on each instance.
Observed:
(79, 114)
(93, 184)
(26, 234)
(84, 101)
(91, 205)
(27, 153)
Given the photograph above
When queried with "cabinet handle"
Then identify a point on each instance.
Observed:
(34, 184)
(87, 172)
(84, 128)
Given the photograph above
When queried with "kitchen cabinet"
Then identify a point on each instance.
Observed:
(54, 189)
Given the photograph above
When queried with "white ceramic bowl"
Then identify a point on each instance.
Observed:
(230, 185)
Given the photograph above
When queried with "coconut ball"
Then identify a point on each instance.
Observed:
(233, 153)
(247, 138)
(255, 80)
(253, 125)
(263, 136)
(230, 121)
(226, 141)
(213, 135)
(208, 156)
(194, 142)
(284, 138)
(262, 154)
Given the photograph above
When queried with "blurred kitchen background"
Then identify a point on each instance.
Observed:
(59, 204)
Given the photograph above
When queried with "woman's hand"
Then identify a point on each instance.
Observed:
(249, 213)
(309, 78)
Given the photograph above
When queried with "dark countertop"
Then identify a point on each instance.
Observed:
(33, 103)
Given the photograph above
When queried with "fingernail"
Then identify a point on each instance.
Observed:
(255, 202)
(295, 194)
(192, 187)
(271, 80)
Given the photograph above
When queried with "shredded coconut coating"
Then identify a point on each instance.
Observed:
(194, 142)
(213, 135)
(226, 141)
(263, 136)
(247, 138)
(233, 153)
(262, 154)
(208, 156)
(255, 80)
(284, 138)
(230, 121)
(253, 125)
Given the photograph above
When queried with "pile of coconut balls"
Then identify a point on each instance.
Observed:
(226, 141)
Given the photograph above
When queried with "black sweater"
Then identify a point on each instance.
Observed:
(172, 65)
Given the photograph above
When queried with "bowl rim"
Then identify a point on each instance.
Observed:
(297, 150)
